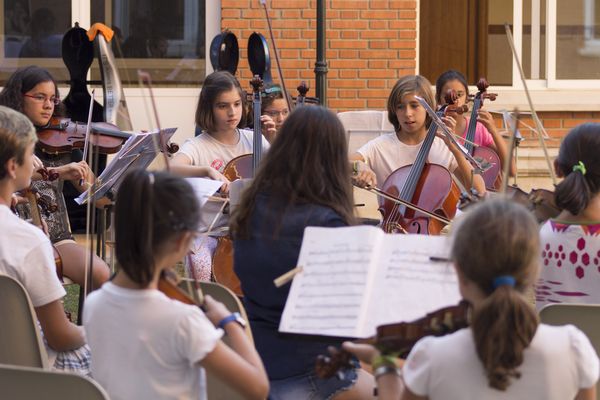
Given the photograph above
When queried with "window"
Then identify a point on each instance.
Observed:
(559, 41)
(166, 38)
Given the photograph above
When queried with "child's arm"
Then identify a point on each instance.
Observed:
(586, 394)
(239, 366)
(59, 332)
(182, 166)
(487, 120)
(464, 170)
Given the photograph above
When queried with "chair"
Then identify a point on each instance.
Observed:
(362, 126)
(20, 340)
(28, 383)
(586, 317)
(216, 389)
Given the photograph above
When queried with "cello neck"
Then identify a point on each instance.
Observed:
(472, 124)
(256, 83)
(408, 190)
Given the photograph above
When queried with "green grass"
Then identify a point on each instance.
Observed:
(71, 301)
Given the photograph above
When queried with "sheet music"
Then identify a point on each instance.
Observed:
(138, 151)
(204, 188)
(357, 278)
(408, 284)
(327, 296)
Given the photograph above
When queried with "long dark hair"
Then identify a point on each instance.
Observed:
(151, 209)
(500, 238)
(445, 77)
(306, 164)
(581, 183)
(22, 81)
(215, 84)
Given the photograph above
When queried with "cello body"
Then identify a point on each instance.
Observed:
(435, 191)
(493, 175)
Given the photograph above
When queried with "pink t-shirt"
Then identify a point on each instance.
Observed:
(482, 136)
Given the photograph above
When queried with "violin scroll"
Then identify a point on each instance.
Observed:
(482, 85)
(451, 97)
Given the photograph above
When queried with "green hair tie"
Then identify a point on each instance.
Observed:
(580, 166)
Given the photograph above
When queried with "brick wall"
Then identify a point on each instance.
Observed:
(370, 44)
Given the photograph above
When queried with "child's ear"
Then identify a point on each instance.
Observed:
(559, 173)
(11, 168)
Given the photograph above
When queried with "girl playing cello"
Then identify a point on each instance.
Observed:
(389, 152)
(506, 353)
(220, 114)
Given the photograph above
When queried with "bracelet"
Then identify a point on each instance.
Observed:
(355, 167)
(384, 360)
(385, 370)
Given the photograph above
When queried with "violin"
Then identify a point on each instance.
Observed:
(399, 338)
(62, 135)
(428, 186)
(167, 284)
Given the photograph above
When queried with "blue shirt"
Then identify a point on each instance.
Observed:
(275, 236)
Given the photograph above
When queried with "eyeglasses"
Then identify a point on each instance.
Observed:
(274, 113)
(40, 98)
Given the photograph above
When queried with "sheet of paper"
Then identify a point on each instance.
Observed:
(327, 296)
(408, 283)
(204, 188)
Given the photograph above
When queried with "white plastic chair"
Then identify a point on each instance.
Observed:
(362, 126)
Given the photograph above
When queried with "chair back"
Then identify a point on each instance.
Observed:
(362, 126)
(216, 389)
(586, 317)
(20, 340)
(28, 383)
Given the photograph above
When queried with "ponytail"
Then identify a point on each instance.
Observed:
(151, 209)
(496, 247)
(503, 327)
(579, 163)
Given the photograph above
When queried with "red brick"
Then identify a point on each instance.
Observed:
(348, 44)
(571, 123)
(378, 64)
(379, 44)
(388, 34)
(405, 5)
(373, 73)
(348, 84)
(349, 35)
(403, 44)
(346, 104)
(403, 24)
(552, 123)
(346, 93)
(349, 5)
(349, 14)
(373, 54)
(347, 24)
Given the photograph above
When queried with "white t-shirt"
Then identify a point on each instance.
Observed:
(26, 255)
(145, 345)
(558, 363)
(387, 153)
(205, 150)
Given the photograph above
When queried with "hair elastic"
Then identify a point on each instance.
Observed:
(503, 280)
(580, 166)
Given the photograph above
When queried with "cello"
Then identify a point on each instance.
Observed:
(241, 167)
(491, 176)
(429, 186)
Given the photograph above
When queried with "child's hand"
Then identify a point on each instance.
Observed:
(217, 176)
(214, 310)
(362, 175)
(485, 117)
(269, 128)
(73, 171)
(37, 163)
(450, 122)
(364, 352)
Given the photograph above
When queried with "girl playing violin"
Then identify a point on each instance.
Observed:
(32, 91)
(506, 353)
(146, 345)
(274, 109)
(389, 152)
(571, 241)
(486, 133)
(26, 253)
(304, 180)
(220, 114)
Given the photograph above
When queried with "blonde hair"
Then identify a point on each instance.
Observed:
(16, 134)
(500, 238)
(416, 84)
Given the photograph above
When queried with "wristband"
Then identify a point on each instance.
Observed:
(385, 370)
(384, 360)
(234, 317)
(355, 168)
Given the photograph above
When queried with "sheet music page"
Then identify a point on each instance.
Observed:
(408, 284)
(204, 188)
(327, 297)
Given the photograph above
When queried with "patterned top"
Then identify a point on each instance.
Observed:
(58, 222)
(570, 264)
